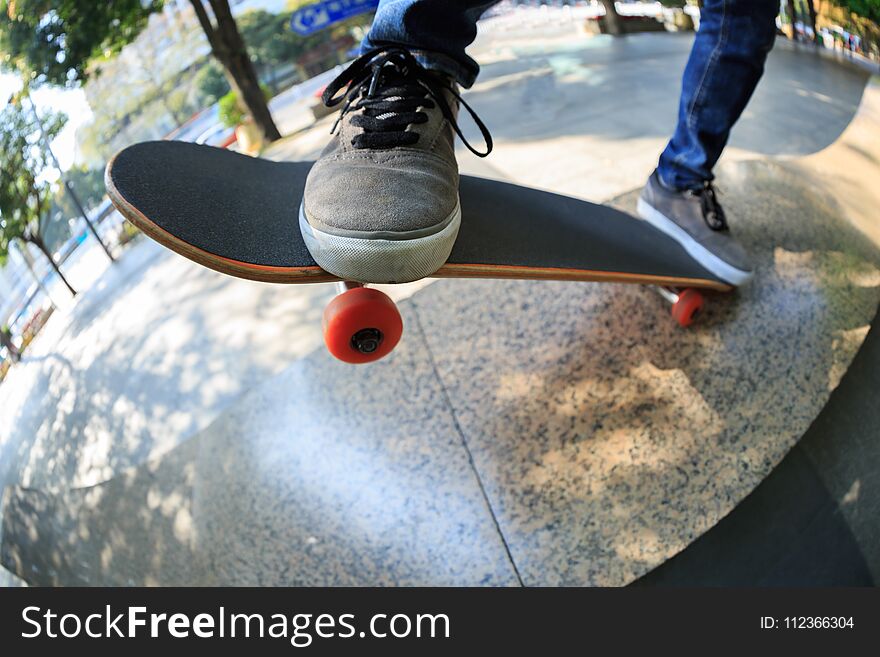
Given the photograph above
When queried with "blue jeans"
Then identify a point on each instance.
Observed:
(725, 64)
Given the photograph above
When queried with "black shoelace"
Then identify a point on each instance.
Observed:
(713, 213)
(390, 86)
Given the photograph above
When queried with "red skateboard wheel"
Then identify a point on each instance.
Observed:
(686, 308)
(361, 325)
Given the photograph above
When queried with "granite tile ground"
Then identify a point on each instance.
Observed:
(606, 437)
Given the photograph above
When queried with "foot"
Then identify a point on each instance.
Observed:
(381, 203)
(695, 219)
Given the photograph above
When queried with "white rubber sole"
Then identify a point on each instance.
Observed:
(380, 260)
(697, 251)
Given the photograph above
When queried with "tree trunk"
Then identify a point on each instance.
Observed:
(42, 247)
(811, 11)
(792, 17)
(612, 18)
(229, 49)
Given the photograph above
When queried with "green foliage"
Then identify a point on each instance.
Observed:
(230, 109)
(869, 9)
(267, 37)
(53, 40)
(24, 194)
(212, 84)
(270, 41)
(861, 17)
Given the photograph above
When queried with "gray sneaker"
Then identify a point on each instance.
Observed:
(695, 219)
(381, 203)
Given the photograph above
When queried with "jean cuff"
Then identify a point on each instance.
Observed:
(434, 61)
(678, 180)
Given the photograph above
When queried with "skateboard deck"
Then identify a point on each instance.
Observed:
(239, 215)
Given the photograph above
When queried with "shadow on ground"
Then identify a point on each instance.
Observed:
(149, 356)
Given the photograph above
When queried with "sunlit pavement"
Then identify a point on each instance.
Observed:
(596, 112)
(153, 351)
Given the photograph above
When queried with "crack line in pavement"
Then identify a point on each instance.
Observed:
(464, 443)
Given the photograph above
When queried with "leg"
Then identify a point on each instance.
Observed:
(725, 65)
(436, 32)
(724, 68)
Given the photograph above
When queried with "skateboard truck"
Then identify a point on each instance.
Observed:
(361, 324)
(686, 303)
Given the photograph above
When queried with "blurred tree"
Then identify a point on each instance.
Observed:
(269, 39)
(178, 103)
(229, 111)
(860, 17)
(811, 18)
(96, 138)
(869, 9)
(25, 194)
(155, 81)
(229, 48)
(271, 42)
(791, 15)
(53, 41)
(212, 84)
(89, 186)
(612, 18)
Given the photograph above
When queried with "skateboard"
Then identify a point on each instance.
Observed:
(238, 215)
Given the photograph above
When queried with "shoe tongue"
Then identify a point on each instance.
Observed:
(387, 75)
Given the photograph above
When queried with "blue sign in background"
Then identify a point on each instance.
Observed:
(312, 18)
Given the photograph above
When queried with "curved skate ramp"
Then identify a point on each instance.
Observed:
(524, 432)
